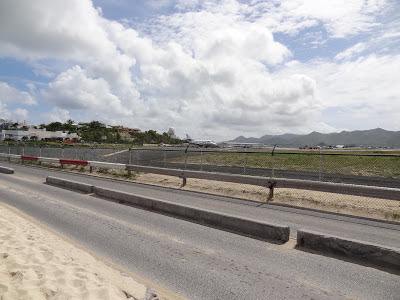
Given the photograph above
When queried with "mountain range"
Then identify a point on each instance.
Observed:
(373, 137)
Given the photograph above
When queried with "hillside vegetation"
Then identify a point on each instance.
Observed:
(98, 132)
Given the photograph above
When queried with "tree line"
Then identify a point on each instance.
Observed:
(98, 132)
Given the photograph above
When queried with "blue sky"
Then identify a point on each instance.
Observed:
(213, 69)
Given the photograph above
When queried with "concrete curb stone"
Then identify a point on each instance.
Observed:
(374, 254)
(69, 184)
(6, 170)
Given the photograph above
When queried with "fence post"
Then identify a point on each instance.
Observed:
(244, 160)
(76, 153)
(130, 156)
(22, 152)
(9, 151)
(271, 186)
(201, 159)
(320, 165)
(62, 151)
(272, 163)
(165, 159)
(186, 155)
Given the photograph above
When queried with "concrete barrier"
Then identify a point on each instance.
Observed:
(257, 229)
(25, 157)
(15, 156)
(6, 170)
(374, 254)
(106, 165)
(69, 184)
(73, 162)
(49, 160)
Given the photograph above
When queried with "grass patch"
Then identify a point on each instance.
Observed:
(394, 216)
(376, 166)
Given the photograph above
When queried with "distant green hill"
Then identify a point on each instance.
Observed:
(373, 137)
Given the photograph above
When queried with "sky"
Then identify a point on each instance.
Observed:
(215, 69)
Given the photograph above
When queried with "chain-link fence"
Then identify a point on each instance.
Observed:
(373, 169)
(363, 169)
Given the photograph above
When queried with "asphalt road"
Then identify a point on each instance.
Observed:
(349, 227)
(197, 261)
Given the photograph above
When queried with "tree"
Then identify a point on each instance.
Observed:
(55, 126)
(96, 125)
(69, 126)
(33, 138)
(24, 138)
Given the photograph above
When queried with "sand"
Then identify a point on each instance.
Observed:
(37, 263)
(383, 209)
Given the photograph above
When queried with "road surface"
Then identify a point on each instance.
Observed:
(200, 262)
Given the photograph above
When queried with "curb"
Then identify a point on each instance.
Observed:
(374, 254)
(250, 227)
(69, 184)
(261, 230)
(6, 170)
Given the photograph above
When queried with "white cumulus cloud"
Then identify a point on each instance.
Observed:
(211, 68)
(9, 94)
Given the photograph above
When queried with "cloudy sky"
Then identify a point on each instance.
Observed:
(213, 69)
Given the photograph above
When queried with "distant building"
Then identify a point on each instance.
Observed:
(40, 134)
(241, 145)
(6, 124)
(126, 129)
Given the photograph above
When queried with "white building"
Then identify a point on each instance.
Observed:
(41, 134)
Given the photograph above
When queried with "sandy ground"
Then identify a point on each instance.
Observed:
(347, 204)
(37, 263)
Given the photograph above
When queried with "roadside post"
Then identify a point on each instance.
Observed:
(165, 158)
(201, 159)
(272, 163)
(186, 150)
(244, 160)
(320, 165)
